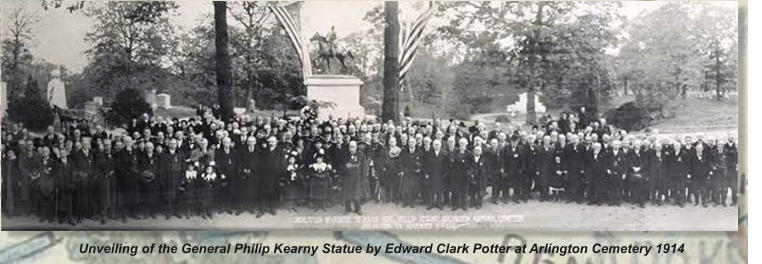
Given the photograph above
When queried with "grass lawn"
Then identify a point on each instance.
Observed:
(702, 114)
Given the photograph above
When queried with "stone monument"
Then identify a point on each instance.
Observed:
(163, 101)
(56, 94)
(521, 105)
(151, 98)
(341, 90)
(98, 101)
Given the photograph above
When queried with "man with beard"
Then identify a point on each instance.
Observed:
(104, 167)
(148, 167)
(459, 165)
(699, 174)
(637, 179)
(271, 167)
(575, 161)
(247, 189)
(678, 169)
(172, 164)
(656, 172)
(228, 173)
(513, 169)
(617, 171)
(477, 173)
(545, 162)
(352, 172)
(126, 160)
(596, 173)
(412, 161)
(435, 166)
(84, 166)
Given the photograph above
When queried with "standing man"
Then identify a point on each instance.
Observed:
(227, 171)
(249, 180)
(434, 163)
(513, 168)
(459, 165)
(354, 168)
(575, 166)
(271, 168)
(596, 173)
(104, 167)
(678, 169)
(172, 172)
(84, 166)
(412, 162)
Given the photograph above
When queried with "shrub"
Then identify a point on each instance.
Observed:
(503, 119)
(127, 104)
(31, 110)
(630, 116)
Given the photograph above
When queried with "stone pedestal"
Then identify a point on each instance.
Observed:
(341, 90)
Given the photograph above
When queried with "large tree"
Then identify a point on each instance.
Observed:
(222, 59)
(17, 42)
(545, 41)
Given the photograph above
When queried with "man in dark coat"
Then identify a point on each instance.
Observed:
(412, 164)
(248, 156)
(435, 166)
(700, 164)
(596, 173)
(477, 173)
(66, 187)
(677, 171)
(545, 161)
(228, 172)
(636, 174)
(352, 173)
(513, 169)
(84, 167)
(575, 156)
(656, 173)
(719, 162)
(617, 172)
(732, 176)
(496, 173)
(271, 167)
(149, 168)
(126, 160)
(172, 172)
(105, 182)
(458, 174)
(531, 169)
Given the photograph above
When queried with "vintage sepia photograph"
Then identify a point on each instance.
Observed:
(370, 115)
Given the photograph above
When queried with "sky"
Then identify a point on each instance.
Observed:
(60, 34)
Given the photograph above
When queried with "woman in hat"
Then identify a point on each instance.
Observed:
(320, 174)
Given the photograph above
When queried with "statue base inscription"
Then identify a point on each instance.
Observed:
(341, 90)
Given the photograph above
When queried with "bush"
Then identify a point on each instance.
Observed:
(128, 104)
(630, 116)
(503, 119)
(31, 110)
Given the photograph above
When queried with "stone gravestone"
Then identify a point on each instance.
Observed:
(56, 94)
(3, 97)
(521, 105)
(98, 100)
(163, 101)
(343, 91)
(91, 108)
(151, 98)
(251, 107)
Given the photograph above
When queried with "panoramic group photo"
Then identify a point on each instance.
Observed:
(370, 115)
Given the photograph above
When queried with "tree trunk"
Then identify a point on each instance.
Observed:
(625, 85)
(391, 104)
(222, 58)
(531, 112)
(718, 78)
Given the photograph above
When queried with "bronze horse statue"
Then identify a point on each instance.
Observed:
(327, 51)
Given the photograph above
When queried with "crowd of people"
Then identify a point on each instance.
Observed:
(202, 166)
